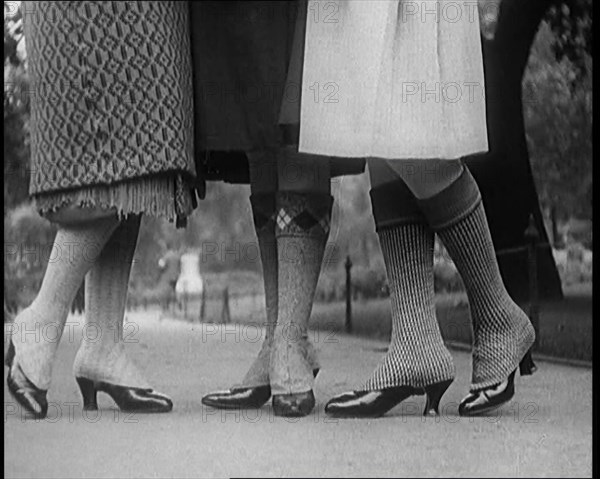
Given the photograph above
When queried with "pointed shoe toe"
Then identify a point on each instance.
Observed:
(31, 398)
(239, 398)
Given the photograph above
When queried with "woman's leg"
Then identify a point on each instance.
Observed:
(417, 355)
(427, 178)
(417, 358)
(263, 185)
(304, 207)
(39, 327)
(502, 332)
(103, 358)
(255, 389)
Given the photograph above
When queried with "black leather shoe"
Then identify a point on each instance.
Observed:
(488, 399)
(293, 405)
(369, 403)
(377, 403)
(242, 397)
(133, 399)
(527, 366)
(238, 398)
(27, 394)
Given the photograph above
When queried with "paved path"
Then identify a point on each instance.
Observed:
(545, 431)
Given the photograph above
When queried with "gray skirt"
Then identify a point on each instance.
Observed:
(112, 110)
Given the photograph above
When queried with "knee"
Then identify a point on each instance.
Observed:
(427, 177)
(72, 216)
(263, 171)
(302, 173)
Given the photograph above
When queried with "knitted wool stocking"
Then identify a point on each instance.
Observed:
(102, 356)
(417, 355)
(302, 228)
(502, 332)
(39, 327)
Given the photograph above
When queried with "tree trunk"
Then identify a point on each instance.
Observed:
(504, 173)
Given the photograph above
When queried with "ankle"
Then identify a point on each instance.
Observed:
(111, 365)
(94, 356)
(30, 326)
(508, 312)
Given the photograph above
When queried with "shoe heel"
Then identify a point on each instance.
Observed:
(293, 405)
(527, 366)
(88, 392)
(434, 394)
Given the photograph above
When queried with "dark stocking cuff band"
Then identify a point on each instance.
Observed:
(303, 214)
(264, 209)
(393, 204)
(451, 205)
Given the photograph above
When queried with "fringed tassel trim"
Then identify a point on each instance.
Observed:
(155, 196)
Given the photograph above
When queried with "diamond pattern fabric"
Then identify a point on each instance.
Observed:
(112, 92)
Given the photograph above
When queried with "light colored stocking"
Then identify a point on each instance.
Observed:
(101, 355)
(39, 327)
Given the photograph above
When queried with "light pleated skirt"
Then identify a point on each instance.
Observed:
(393, 79)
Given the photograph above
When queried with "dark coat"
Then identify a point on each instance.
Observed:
(247, 62)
